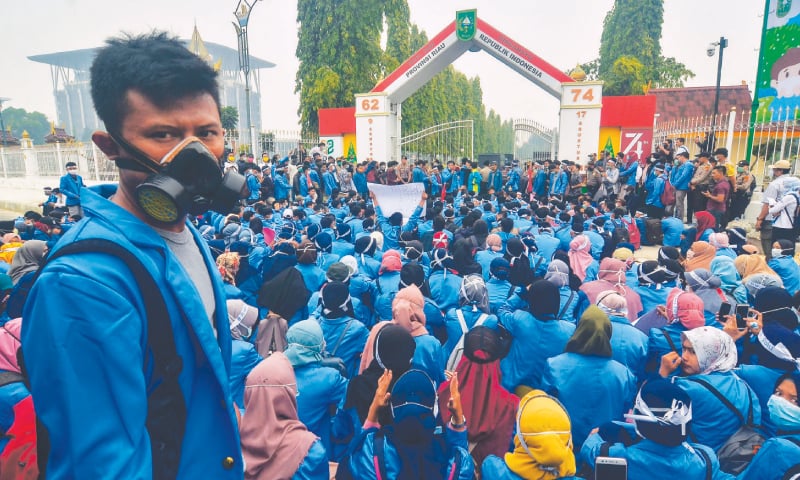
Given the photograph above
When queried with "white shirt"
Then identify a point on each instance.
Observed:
(774, 197)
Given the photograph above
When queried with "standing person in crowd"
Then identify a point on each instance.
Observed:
(776, 218)
(153, 96)
(743, 190)
(680, 176)
(717, 197)
(698, 184)
(70, 186)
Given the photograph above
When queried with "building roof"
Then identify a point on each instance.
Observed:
(682, 103)
(82, 59)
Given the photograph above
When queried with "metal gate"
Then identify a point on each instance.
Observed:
(534, 141)
(443, 142)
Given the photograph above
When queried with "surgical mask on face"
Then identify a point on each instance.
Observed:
(783, 413)
(690, 255)
(777, 253)
(740, 169)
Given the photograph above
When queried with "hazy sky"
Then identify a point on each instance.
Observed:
(563, 32)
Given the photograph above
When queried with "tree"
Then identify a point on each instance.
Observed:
(230, 118)
(19, 120)
(632, 29)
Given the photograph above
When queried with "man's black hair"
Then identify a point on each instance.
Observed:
(156, 65)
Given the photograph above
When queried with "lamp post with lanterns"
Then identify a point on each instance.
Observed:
(242, 13)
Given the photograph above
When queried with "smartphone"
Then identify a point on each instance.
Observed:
(609, 468)
(742, 312)
(724, 309)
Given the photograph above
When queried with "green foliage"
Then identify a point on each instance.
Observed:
(230, 118)
(632, 29)
(35, 123)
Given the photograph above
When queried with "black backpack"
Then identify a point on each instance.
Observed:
(166, 406)
(621, 233)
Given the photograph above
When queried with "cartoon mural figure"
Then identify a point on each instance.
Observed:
(785, 80)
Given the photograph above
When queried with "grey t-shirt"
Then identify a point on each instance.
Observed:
(182, 246)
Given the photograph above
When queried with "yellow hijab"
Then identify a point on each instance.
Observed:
(544, 427)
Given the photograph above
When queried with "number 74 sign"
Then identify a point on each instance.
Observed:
(636, 140)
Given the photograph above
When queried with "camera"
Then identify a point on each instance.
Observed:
(711, 50)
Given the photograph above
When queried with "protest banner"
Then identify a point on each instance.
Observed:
(398, 198)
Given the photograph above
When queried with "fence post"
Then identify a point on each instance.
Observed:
(59, 159)
(3, 158)
(96, 158)
(29, 157)
(731, 127)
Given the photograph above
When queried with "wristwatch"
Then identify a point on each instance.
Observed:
(459, 425)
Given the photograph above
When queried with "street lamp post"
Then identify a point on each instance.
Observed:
(242, 13)
(2, 125)
(711, 50)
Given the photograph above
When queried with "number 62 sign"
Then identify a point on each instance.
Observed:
(371, 104)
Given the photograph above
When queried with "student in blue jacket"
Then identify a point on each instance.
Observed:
(706, 362)
(14, 391)
(320, 389)
(542, 443)
(656, 446)
(574, 377)
(628, 343)
(779, 454)
(654, 284)
(473, 309)
(444, 280)
(393, 226)
(313, 276)
(410, 447)
(275, 443)
(364, 251)
(572, 303)
(498, 287)
(244, 356)
(408, 311)
(345, 336)
(537, 336)
(783, 264)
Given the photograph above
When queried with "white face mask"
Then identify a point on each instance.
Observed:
(777, 252)
(689, 254)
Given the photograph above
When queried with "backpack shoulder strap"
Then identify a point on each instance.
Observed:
(669, 340)
(482, 318)
(341, 337)
(461, 321)
(707, 461)
(379, 448)
(566, 305)
(166, 407)
(725, 401)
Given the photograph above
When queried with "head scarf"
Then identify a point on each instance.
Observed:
(624, 254)
(242, 318)
(574, 282)
(389, 346)
(651, 273)
(580, 257)
(413, 400)
(686, 308)
(365, 246)
(715, 349)
(702, 279)
(351, 263)
(775, 306)
(494, 242)
(9, 345)
(613, 271)
(27, 259)
(704, 221)
(324, 242)
(778, 348)
(473, 294)
(500, 268)
(515, 250)
(662, 412)
(274, 442)
(228, 266)
(335, 300)
(407, 310)
(668, 253)
(724, 269)
(413, 250)
(543, 299)
(490, 407)
(442, 260)
(702, 255)
(390, 262)
(748, 265)
(557, 273)
(612, 304)
(737, 237)
(593, 335)
(718, 240)
(543, 442)
(285, 294)
(304, 343)
(378, 236)
(312, 231)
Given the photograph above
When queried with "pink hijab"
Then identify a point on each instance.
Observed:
(686, 308)
(390, 262)
(9, 344)
(274, 441)
(408, 310)
(494, 242)
(611, 276)
(579, 255)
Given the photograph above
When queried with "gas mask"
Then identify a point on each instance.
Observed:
(188, 180)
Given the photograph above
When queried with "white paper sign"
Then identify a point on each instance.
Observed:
(398, 198)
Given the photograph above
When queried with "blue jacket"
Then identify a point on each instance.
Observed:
(364, 459)
(629, 173)
(71, 188)
(329, 180)
(348, 341)
(282, 186)
(494, 468)
(320, 392)
(498, 293)
(572, 378)
(360, 182)
(775, 457)
(672, 228)
(558, 183)
(548, 244)
(444, 289)
(651, 295)
(534, 341)
(788, 270)
(681, 175)
(654, 190)
(342, 248)
(244, 358)
(389, 283)
(647, 459)
(712, 422)
(514, 176)
(484, 259)
(628, 345)
(315, 466)
(762, 380)
(103, 360)
(10, 395)
(658, 346)
(495, 181)
(313, 276)
(303, 181)
(254, 187)
(540, 183)
(453, 326)
(572, 304)
(429, 357)
(418, 176)
(368, 266)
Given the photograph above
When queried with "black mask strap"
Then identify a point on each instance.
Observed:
(137, 161)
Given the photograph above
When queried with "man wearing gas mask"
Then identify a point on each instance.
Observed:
(137, 358)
